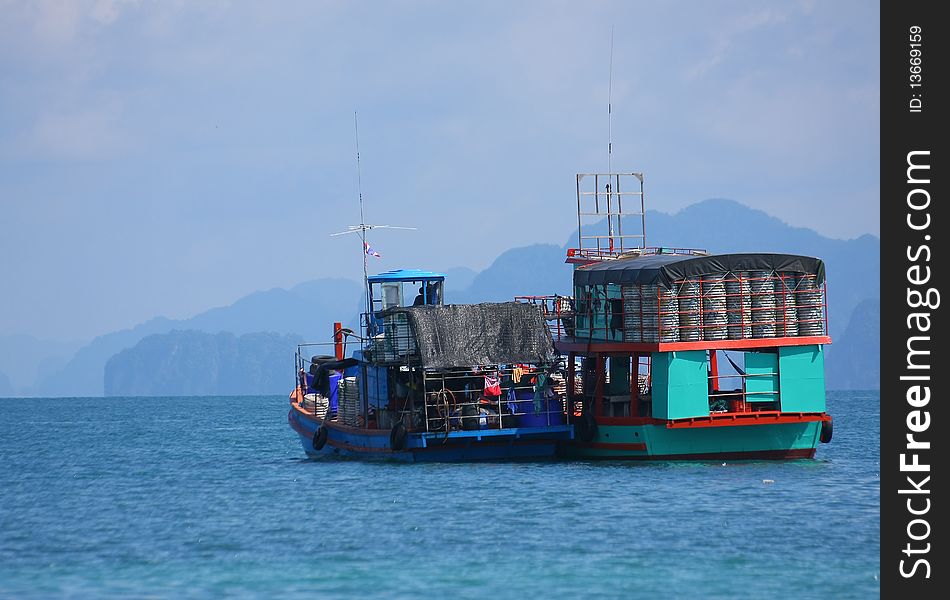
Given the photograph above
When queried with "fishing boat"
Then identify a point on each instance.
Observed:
(430, 381)
(676, 353)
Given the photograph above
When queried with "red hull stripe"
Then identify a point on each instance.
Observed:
(433, 446)
(629, 421)
(355, 448)
(572, 345)
(619, 446)
(336, 425)
(738, 419)
(295, 425)
(750, 455)
(720, 419)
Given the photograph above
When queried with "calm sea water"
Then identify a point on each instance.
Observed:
(199, 497)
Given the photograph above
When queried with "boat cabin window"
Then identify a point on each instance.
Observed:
(433, 292)
(398, 292)
(626, 386)
(427, 292)
(392, 295)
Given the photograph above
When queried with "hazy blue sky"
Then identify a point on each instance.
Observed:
(161, 158)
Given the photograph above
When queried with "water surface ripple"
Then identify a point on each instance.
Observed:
(209, 497)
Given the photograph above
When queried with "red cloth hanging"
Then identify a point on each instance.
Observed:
(492, 386)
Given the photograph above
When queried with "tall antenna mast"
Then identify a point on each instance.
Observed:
(610, 82)
(359, 189)
(363, 227)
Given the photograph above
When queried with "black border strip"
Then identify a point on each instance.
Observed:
(912, 247)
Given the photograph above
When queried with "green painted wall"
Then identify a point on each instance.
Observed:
(619, 369)
(680, 384)
(762, 384)
(582, 319)
(802, 378)
(613, 319)
(661, 440)
(601, 313)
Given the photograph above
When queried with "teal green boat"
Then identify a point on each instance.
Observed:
(676, 353)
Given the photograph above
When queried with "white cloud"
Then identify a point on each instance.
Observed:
(59, 24)
(56, 22)
(90, 134)
(726, 35)
(209, 119)
(107, 12)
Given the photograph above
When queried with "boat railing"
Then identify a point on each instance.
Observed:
(594, 255)
(611, 214)
(713, 308)
(300, 359)
(304, 360)
(558, 311)
(755, 391)
(481, 397)
(389, 338)
(736, 390)
(477, 398)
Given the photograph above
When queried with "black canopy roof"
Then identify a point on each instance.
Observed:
(457, 335)
(667, 268)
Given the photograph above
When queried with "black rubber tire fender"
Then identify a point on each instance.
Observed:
(585, 429)
(827, 430)
(591, 426)
(320, 438)
(398, 437)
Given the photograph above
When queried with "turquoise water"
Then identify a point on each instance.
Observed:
(208, 497)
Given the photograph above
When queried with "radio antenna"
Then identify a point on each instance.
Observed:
(359, 176)
(363, 227)
(610, 82)
(359, 190)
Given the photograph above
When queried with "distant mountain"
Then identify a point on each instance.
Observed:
(306, 310)
(457, 279)
(25, 358)
(527, 271)
(853, 266)
(854, 360)
(195, 363)
(724, 226)
(721, 226)
(6, 388)
(82, 375)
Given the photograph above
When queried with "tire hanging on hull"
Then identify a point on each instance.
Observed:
(397, 437)
(320, 438)
(585, 429)
(827, 429)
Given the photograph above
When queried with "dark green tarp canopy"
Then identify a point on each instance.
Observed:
(462, 335)
(667, 268)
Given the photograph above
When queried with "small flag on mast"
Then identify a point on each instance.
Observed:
(369, 250)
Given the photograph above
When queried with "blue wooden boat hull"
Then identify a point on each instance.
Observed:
(457, 446)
